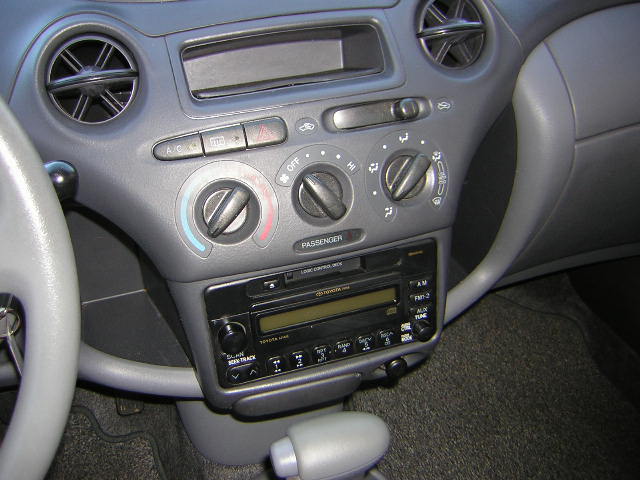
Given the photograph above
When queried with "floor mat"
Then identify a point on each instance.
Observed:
(509, 393)
(88, 452)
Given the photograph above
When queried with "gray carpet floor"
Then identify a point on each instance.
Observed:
(511, 392)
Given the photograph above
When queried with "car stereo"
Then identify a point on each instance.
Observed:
(304, 318)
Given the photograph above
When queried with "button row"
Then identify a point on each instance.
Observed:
(231, 138)
(243, 373)
(323, 353)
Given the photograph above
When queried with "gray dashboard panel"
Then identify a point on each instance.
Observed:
(533, 21)
(605, 49)
(539, 96)
(122, 181)
(28, 19)
(598, 209)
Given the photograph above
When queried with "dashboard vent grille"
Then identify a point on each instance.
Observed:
(92, 78)
(451, 32)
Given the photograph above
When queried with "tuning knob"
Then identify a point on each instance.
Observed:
(423, 330)
(225, 210)
(233, 338)
(405, 176)
(320, 195)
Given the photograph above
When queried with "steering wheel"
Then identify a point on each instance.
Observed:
(37, 266)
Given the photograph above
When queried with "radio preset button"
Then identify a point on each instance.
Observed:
(299, 359)
(422, 297)
(420, 284)
(365, 343)
(344, 348)
(321, 353)
(275, 365)
(386, 338)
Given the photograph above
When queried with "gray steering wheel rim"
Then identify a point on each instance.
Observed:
(37, 265)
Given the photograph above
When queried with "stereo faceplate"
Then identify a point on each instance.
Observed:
(304, 318)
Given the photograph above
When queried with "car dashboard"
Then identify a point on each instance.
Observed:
(279, 201)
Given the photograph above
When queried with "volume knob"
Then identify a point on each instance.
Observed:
(232, 338)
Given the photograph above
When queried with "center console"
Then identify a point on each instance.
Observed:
(293, 175)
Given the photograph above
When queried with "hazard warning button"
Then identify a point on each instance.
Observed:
(268, 131)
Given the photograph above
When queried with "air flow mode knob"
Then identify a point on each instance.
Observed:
(320, 195)
(405, 176)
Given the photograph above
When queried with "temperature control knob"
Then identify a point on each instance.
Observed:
(225, 210)
(405, 176)
(320, 195)
(233, 338)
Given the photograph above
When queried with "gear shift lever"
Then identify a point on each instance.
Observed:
(338, 446)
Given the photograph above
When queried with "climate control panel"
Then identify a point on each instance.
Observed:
(227, 202)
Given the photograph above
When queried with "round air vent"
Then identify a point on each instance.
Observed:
(92, 78)
(451, 32)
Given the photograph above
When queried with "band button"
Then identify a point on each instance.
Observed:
(344, 348)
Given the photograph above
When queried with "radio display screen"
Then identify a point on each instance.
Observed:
(320, 311)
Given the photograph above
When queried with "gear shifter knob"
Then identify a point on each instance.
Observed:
(338, 446)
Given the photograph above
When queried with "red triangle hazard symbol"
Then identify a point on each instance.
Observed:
(265, 134)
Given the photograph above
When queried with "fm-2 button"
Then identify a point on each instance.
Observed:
(422, 297)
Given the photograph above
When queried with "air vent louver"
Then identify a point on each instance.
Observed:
(451, 32)
(92, 78)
